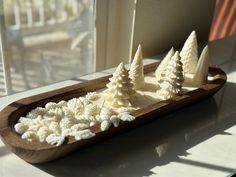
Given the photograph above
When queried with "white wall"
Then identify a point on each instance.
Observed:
(159, 24)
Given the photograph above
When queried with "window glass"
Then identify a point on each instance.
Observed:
(47, 41)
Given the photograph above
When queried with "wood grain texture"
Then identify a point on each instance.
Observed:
(36, 152)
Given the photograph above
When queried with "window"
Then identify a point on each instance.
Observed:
(45, 41)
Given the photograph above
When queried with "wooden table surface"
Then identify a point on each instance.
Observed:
(199, 140)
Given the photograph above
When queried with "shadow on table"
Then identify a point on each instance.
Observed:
(157, 143)
(4, 151)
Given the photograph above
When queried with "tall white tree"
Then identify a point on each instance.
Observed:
(119, 89)
(200, 76)
(161, 68)
(136, 70)
(189, 54)
(172, 80)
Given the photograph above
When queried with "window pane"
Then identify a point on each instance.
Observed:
(48, 41)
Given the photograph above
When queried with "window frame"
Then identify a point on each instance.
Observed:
(114, 32)
(4, 51)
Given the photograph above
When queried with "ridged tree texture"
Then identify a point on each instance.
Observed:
(189, 54)
(119, 89)
(171, 84)
(136, 70)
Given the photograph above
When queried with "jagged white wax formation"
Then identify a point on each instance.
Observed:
(200, 76)
(119, 89)
(161, 68)
(136, 70)
(56, 121)
(189, 54)
(171, 84)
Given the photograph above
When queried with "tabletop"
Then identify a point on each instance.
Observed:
(196, 141)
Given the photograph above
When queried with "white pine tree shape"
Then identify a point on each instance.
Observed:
(171, 84)
(201, 74)
(189, 54)
(119, 89)
(161, 68)
(136, 70)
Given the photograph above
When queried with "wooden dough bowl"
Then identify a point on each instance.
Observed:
(36, 152)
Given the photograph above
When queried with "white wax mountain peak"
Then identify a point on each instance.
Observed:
(189, 54)
(160, 69)
(201, 73)
(136, 70)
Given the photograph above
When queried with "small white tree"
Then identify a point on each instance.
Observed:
(189, 54)
(200, 76)
(119, 89)
(171, 84)
(161, 68)
(136, 70)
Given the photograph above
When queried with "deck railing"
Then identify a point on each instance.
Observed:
(23, 14)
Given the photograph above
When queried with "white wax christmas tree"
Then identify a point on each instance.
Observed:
(161, 68)
(201, 73)
(171, 84)
(119, 89)
(136, 70)
(189, 54)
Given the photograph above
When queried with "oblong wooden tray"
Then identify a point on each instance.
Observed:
(35, 152)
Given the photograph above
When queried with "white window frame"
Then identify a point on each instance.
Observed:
(4, 52)
(114, 22)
